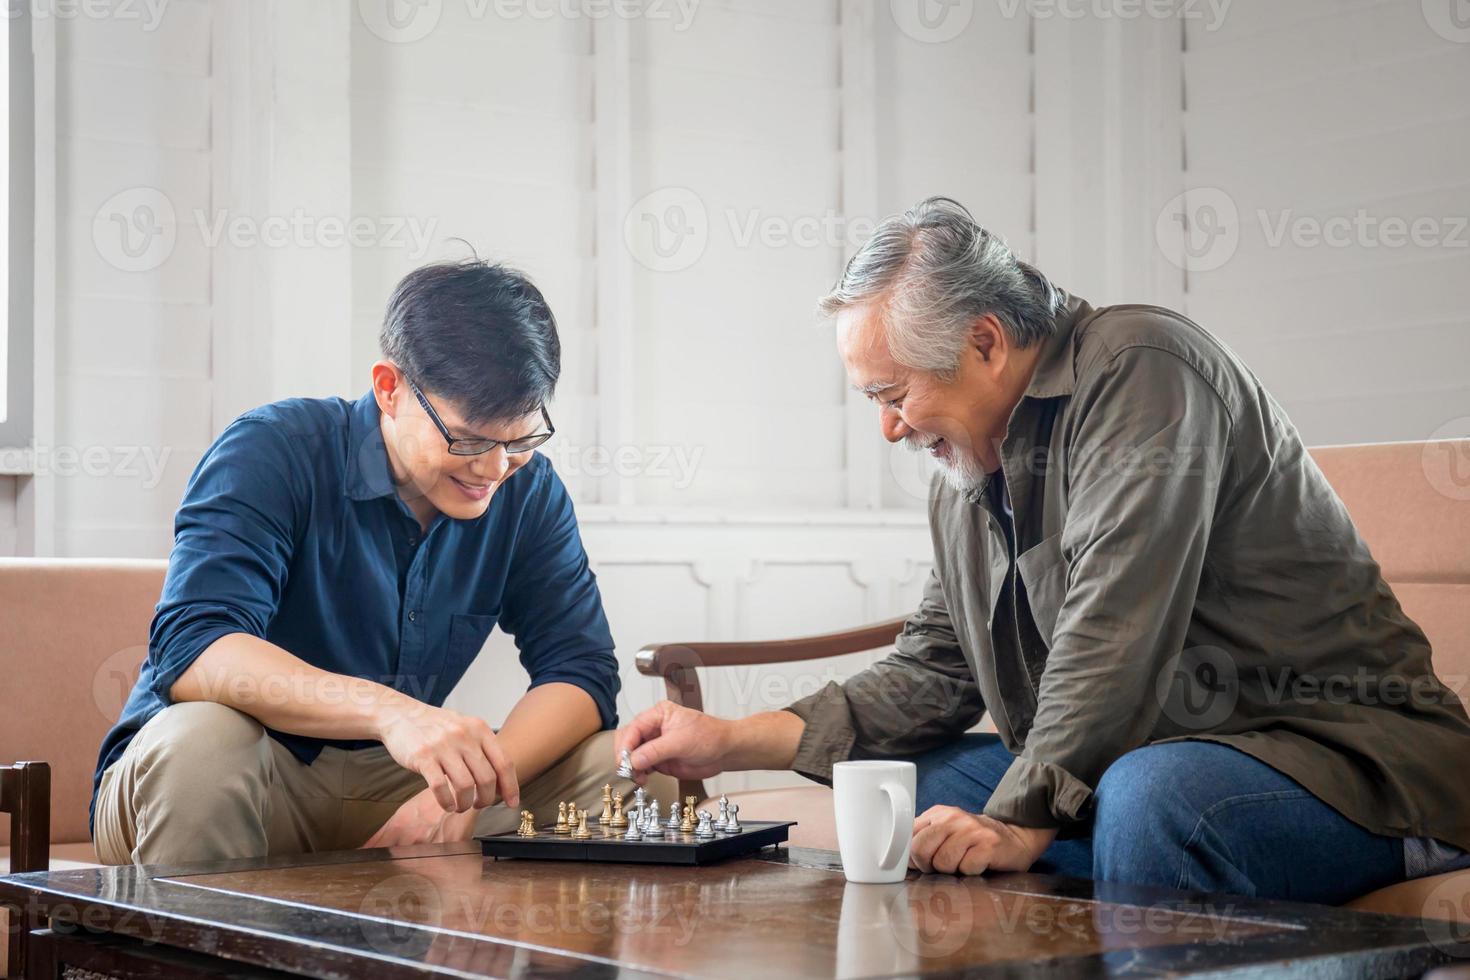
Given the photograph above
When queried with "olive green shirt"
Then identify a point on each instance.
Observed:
(1183, 570)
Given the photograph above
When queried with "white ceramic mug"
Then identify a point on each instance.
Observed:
(874, 803)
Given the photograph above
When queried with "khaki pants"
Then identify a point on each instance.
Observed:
(204, 782)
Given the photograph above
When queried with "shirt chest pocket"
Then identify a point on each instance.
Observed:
(1044, 570)
(467, 635)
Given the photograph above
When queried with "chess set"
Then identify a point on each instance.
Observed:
(636, 834)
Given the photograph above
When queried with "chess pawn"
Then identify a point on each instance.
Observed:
(732, 825)
(581, 833)
(655, 829)
(706, 828)
(687, 825)
(674, 819)
(650, 819)
(562, 826)
(619, 818)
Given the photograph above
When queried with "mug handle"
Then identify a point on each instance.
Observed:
(902, 805)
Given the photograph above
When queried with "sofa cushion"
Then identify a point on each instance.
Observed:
(64, 857)
(809, 806)
(69, 658)
(1444, 896)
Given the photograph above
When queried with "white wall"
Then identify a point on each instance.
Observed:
(1305, 114)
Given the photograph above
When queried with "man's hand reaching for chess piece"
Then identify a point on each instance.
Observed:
(949, 840)
(689, 744)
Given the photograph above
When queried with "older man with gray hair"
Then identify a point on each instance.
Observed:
(1137, 564)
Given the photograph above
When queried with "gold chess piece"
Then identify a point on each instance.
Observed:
(562, 825)
(528, 824)
(607, 810)
(581, 833)
(619, 819)
(686, 825)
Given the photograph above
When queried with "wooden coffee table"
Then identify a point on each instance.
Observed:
(444, 910)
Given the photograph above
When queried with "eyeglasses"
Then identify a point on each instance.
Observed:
(477, 447)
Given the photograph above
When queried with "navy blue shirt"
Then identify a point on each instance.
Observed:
(291, 530)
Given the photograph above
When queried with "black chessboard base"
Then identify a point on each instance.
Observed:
(608, 845)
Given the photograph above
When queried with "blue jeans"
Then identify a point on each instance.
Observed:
(1192, 815)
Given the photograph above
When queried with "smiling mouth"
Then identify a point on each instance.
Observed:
(473, 489)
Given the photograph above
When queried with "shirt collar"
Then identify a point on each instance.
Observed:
(1056, 372)
(368, 476)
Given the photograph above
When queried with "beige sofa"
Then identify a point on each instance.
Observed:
(75, 632)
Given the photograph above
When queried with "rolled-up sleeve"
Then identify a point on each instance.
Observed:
(1151, 443)
(918, 697)
(553, 607)
(233, 539)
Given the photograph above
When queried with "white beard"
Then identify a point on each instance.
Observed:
(962, 471)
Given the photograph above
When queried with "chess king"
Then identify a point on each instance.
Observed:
(336, 567)
(1135, 559)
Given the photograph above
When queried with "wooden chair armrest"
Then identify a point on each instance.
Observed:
(25, 794)
(674, 662)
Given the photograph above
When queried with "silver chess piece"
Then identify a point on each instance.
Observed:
(651, 816)
(655, 829)
(674, 817)
(732, 825)
(724, 817)
(706, 828)
(640, 799)
(635, 830)
(625, 765)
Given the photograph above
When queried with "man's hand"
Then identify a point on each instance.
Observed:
(677, 741)
(951, 841)
(457, 755)
(421, 820)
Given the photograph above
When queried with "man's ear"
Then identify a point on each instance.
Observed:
(986, 337)
(387, 380)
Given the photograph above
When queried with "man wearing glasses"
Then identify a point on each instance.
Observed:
(336, 568)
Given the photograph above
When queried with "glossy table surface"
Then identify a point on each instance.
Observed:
(446, 910)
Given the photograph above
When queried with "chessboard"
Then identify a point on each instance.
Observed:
(607, 844)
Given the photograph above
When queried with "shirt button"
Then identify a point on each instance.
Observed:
(413, 615)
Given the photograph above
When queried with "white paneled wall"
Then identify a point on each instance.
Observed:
(1330, 129)
(735, 156)
(480, 131)
(132, 330)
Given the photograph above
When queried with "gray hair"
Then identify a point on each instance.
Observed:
(936, 270)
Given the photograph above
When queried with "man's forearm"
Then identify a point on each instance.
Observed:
(765, 741)
(284, 692)
(547, 723)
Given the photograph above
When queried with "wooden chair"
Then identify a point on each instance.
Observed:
(25, 795)
(676, 663)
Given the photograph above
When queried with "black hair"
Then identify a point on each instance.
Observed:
(477, 334)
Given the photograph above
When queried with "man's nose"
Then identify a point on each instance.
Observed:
(491, 466)
(892, 425)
